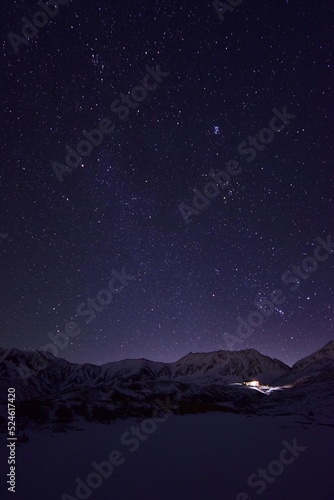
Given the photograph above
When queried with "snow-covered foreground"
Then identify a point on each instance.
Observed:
(208, 456)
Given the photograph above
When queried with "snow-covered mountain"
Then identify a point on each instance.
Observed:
(320, 364)
(325, 353)
(213, 378)
(228, 367)
(41, 373)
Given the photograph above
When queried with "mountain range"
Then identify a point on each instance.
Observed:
(198, 381)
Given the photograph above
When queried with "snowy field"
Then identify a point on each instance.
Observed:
(208, 456)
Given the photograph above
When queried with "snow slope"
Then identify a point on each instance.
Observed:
(192, 457)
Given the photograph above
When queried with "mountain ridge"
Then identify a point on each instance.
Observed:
(217, 379)
(215, 367)
(15, 350)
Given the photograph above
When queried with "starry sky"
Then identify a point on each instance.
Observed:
(119, 209)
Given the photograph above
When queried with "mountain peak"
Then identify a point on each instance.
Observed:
(326, 352)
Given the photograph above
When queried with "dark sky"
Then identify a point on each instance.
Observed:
(120, 208)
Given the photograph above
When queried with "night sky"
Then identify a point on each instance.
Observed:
(119, 209)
